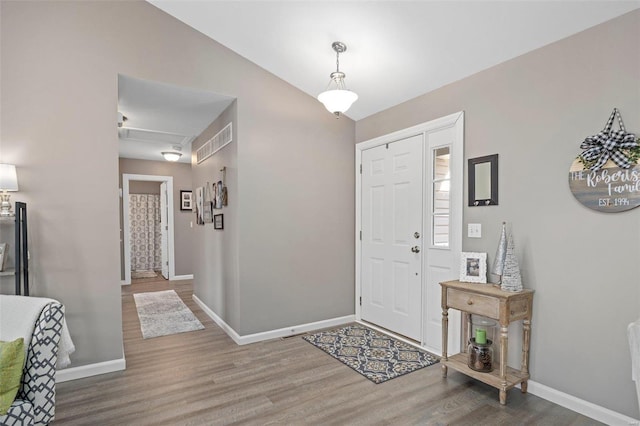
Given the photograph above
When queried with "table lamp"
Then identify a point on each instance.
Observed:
(8, 182)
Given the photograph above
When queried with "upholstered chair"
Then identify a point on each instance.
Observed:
(35, 401)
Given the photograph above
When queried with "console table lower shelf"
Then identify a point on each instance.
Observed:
(514, 377)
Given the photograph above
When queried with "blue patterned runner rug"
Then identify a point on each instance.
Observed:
(376, 356)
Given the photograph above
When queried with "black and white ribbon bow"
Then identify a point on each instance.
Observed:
(608, 143)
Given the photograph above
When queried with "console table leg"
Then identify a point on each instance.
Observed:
(526, 342)
(523, 386)
(445, 336)
(503, 397)
(504, 345)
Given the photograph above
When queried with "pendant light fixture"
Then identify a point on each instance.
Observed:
(337, 98)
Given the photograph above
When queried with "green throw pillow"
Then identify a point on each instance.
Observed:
(11, 365)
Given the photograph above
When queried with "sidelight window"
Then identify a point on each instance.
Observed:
(441, 204)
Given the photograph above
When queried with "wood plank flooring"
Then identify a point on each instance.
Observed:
(204, 378)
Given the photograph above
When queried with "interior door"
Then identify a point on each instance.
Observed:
(164, 230)
(391, 216)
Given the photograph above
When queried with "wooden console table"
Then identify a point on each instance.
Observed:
(503, 306)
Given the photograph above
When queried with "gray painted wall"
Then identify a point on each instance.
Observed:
(216, 260)
(296, 218)
(534, 111)
(181, 173)
(59, 73)
(142, 187)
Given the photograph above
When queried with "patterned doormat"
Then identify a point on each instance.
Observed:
(376, 356)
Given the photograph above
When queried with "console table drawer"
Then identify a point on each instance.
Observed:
(473, 303)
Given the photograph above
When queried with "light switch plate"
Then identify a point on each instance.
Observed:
(474, 230)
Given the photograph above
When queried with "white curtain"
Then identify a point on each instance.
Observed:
(144, 217)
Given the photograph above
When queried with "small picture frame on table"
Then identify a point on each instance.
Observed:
(186, 202)
(473, 267)
(218, 221)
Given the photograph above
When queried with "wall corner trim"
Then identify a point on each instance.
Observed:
(271, 334)
(89, 370)
(581, 406)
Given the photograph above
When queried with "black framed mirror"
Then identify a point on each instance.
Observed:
(483, 181)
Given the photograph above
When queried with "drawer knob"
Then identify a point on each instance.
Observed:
(469, 302)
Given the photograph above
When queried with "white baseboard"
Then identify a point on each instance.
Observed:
(83, 371)
(581, 406)
(182, 277)
(272, 334)
(223, 325)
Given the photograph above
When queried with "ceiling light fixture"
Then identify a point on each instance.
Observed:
(337, 98)
(173, 155)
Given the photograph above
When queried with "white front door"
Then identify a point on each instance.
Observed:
(164, 228)
(391, 260)
(406, 182)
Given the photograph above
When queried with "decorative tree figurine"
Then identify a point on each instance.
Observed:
(501, 253)
(511, 279)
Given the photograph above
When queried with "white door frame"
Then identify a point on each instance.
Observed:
(455, 120)
(164, 230)
(126, 178)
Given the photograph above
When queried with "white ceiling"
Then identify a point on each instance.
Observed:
(396, 50)
(161, 117)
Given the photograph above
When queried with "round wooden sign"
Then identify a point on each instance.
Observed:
(611, 189)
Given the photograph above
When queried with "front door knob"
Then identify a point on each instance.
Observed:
(415, 249)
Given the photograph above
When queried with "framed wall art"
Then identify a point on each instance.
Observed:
(186, 202)
(218, 221)
(473, 267)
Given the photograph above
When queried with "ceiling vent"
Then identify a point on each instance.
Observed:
(215, 144)
(143, 135)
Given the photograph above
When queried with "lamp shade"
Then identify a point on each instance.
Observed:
(337, 101)
(8, 177)
(172, 156)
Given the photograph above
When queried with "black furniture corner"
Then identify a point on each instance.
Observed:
(22, 250)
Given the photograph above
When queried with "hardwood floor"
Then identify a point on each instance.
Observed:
(204, 378)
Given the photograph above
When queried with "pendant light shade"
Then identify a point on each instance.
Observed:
(337, 99)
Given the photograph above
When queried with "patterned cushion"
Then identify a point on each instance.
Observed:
(35, 403)
(20, 414)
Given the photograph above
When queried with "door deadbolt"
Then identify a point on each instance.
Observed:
(416, 235)
(415, 249)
